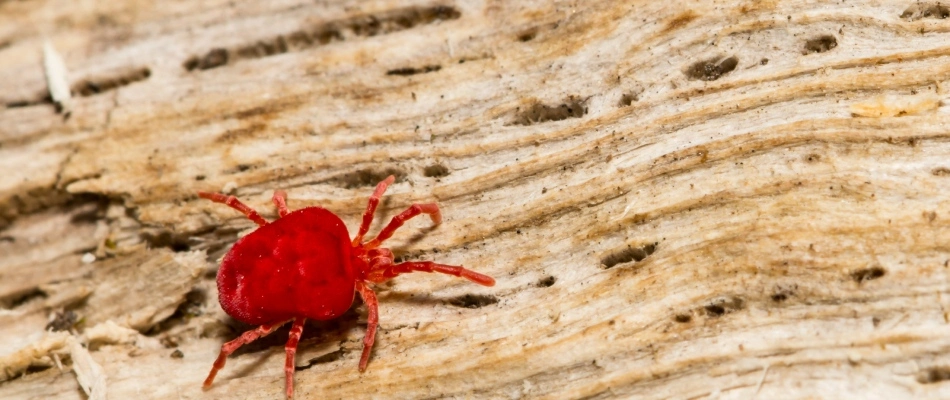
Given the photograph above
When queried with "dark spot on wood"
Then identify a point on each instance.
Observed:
(934, 375)
(537, 113)
(712, 68)
(166, 239)
(867, 274)
(408, 71)
(16, 299)
(926, 10)
(528, 35)
(715, 310)
(254, 111)
(213, 59)
(177, 354)
(34, 368)
(90, 86)
(191, 63)
(628, 254)
(813, 158)
(262, 48)
(682, 318)
(299, 39)
(440, 13)
(26, 103)
(326, 35)
(820, 44)
(627, 99)
(366, 177)
(96, 85)
(90, 210)
(473, 301)
(435, 171)
(940, 171)
(784, 292)
(547, 281)
(723, 306)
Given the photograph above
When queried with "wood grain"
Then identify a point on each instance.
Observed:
(728, 199)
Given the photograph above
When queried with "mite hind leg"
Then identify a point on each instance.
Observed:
(291, 348)
(372, 321)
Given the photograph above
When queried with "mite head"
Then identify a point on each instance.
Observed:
(372, 264)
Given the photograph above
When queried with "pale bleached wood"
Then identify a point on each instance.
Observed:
(779, 231)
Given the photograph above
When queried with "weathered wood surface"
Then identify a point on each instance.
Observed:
(678, 199)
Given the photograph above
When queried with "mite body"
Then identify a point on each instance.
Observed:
(304, 265)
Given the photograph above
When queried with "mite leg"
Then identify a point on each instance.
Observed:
(230, 347)
(429, 266)
(291, 348)
(280, 200)
(371, 208)
(369, 297)
(236, 204)
(425, 208)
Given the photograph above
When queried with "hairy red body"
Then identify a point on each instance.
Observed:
(296, 266)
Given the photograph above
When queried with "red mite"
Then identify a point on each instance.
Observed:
(304, 265)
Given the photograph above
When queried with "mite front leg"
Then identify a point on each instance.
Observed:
(372, 321)
(280, 200)
(230, 347)
(236, 204)
(414, 210)
(371, 208)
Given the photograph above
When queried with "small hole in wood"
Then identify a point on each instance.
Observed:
(473, 301)
(868, 274)
(536, 113)
(366, 177)
(435, 171)
(409, 71)
(926, 10)
(712, 69)
(547, 281)
(627, 99)
(934, 375)
(628, 254)
(820, 44)
(723, 306)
